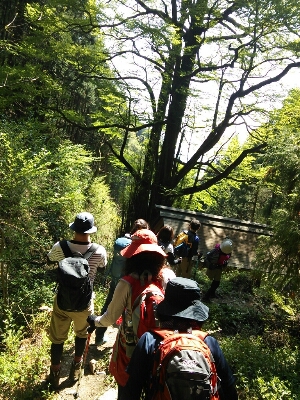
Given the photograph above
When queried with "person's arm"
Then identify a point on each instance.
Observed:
(172, 260)
(195, 244)
(116, 306)
(140, 366)
(55, 254)
(228, 389)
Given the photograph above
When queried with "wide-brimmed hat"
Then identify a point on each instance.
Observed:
(83, 223)
(142, 240)
(183, 299)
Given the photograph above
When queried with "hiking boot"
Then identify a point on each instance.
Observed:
(53, 379)
(75, 371)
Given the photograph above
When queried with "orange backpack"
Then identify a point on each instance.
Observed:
(184, 368)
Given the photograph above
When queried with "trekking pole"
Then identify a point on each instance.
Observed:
(76, 394)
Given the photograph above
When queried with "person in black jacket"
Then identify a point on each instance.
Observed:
(182, 311)
(185, 268)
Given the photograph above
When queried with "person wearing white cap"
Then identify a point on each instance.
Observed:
(82, 226)
(215, 272)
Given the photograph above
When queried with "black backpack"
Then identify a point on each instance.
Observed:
(74, 290)
(211, 259)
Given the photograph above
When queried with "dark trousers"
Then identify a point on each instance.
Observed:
(212, 290)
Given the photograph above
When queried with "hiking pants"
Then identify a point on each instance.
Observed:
(61, 322)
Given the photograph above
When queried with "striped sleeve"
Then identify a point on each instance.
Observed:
(56, 253)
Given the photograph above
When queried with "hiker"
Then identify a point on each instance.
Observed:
(145, 266)
(61, 320)
(185, 268)
(117, 268)
(181, 316)
(165, 239)
(221, 254)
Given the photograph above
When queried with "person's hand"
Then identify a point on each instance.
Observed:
(200, 254)
(91, 321)
(179, 260)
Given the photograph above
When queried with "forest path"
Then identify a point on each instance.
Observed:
(93, 386)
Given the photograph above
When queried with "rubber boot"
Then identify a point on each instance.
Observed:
(211, 291)
(75, 371)
(53, 379)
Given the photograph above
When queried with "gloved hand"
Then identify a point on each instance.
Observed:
(91, 321)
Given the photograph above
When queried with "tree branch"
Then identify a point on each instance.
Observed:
(222, 175)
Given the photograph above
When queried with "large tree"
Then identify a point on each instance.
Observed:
(193, 72)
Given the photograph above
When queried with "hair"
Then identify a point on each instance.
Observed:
(165, 234)
(146, 260)
(195, 224)
(139, 224)
(178, 323)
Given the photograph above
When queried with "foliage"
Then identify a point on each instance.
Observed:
(23, 360)
(240, 195)
(280, 253)
(56, 78)
(195, 74)
(43, 189)
(158, 89)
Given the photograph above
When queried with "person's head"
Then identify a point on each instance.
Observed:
(226, 246)
(139, 224)
(143, 253)
(165, 234)
(195, 225)
(182, 304)
(83, 223)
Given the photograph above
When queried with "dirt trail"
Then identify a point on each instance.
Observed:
(92, 386)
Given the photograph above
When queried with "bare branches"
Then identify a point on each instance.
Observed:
(224, 174)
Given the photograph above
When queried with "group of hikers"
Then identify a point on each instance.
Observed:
(161, 351)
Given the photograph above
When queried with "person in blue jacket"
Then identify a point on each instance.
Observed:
(182, 311)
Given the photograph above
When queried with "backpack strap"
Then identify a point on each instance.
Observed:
(65, 248)
(88, 254)
(68, 253)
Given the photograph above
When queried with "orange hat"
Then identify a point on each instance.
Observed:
(142, 240)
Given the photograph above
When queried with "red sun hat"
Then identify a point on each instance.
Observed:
(142, 240)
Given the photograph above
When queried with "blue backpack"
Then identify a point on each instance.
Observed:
(117, 266)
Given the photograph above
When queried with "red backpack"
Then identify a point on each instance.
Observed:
(144, 300)
(184, 368)
(144, 297)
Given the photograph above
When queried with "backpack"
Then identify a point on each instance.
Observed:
(144, 301)
(182, 244)
(183, 368)
(118, 262)
(74, 288)
(211, 259)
